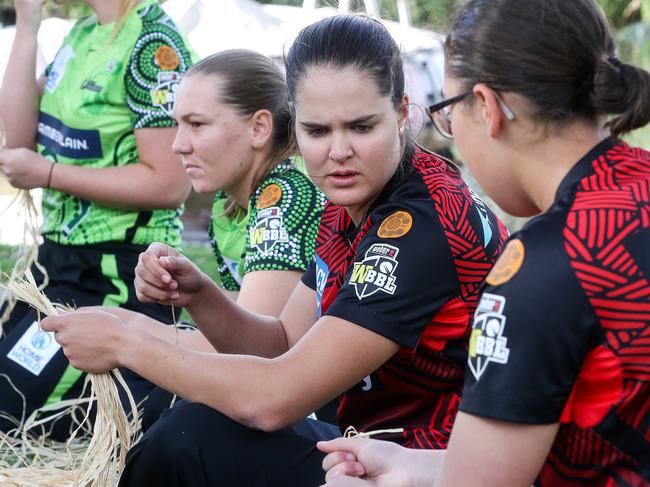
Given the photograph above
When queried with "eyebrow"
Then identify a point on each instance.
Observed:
(186, 116)
(356, 121)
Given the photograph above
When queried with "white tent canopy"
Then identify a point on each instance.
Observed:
(213, 26)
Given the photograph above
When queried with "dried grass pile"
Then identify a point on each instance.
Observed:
(27, 457)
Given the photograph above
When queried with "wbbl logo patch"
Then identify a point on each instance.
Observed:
(487, 343)
(164, 94)
(268, 230)
(376, 272)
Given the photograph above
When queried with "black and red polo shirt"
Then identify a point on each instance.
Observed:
(562, 330)
(410, 271)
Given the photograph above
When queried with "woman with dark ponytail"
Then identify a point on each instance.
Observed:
(558, 380)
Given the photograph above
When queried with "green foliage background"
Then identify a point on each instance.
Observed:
(630, 19)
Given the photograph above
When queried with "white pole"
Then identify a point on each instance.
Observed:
(309, 3)
(404, 12)
(344, 6)
(372, 9)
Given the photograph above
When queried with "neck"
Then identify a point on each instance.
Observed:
(545, 162)
(243, 190)
(106, 10)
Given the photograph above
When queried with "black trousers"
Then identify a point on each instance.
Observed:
(193, 445)
(78, 276)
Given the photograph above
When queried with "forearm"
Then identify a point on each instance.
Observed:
(131, 187)
(242, 387)
(191, 339)
(19, 95)
(424, 466)
(233, 329)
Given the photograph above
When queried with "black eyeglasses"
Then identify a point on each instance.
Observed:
(440, 113)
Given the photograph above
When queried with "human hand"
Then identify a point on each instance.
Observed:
(380, 463)
(164, 274)
(92, 340)
(24, 168)
(29, 12)
(343, 481)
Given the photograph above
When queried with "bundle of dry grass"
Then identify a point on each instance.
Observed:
(113, 432)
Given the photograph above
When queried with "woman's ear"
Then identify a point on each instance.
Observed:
(403, 113)
(491, 112)
(261, 128)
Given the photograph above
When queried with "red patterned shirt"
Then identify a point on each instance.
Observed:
(562, 334)
(411, 272)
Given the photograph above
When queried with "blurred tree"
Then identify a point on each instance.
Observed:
(437, 14)
(434, 14)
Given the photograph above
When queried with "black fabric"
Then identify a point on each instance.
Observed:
(195, 445)
(75, 278)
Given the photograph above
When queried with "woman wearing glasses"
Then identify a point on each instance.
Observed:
(558, 376)
(382, 315)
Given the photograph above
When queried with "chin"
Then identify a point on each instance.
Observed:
(518, 208)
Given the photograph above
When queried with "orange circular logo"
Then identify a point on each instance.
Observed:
(508, 264)
(270, 196)
(395, 225)
(167, 58)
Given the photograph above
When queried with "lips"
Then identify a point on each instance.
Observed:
(343, 177)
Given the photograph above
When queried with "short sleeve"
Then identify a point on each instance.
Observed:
(283, 222)
(532, 329)
(309, 277)
(159, 59)
(402, 273)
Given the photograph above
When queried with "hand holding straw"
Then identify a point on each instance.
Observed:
(113, 433)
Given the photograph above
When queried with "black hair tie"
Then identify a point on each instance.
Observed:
(614, 61)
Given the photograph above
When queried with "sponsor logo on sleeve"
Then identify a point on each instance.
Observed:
(233, 268)
(164, 94)
(376, 272)
(508, 263)
(483, 215)
(57, 71)
(59, 139)
(167, 58)
(396, 225)
(268, 230)
(487, 342)
(322, 273)
(34, 349)
(270, 196)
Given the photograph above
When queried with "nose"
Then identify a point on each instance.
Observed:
(181, 143)
(340, 148)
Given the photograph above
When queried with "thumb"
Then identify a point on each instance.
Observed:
(51, 323)
(352, 445)
(178, 265)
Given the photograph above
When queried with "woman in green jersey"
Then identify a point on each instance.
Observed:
(94, 131)
(233, 117)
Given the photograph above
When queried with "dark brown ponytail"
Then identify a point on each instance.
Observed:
(559, 54)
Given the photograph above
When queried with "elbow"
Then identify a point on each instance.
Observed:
(174, 197)
(263, 416)
(169, 199)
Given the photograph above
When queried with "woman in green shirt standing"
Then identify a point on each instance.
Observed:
(94, 131)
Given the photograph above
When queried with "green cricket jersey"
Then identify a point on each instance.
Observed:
(277, 233)
(99, 89)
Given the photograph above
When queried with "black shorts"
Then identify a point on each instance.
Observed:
(78, 276)
(195, 445)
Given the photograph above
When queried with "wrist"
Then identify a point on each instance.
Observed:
(200, 296)
(27, 27)
(129, 345)
(424, 467)
(48, 184)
